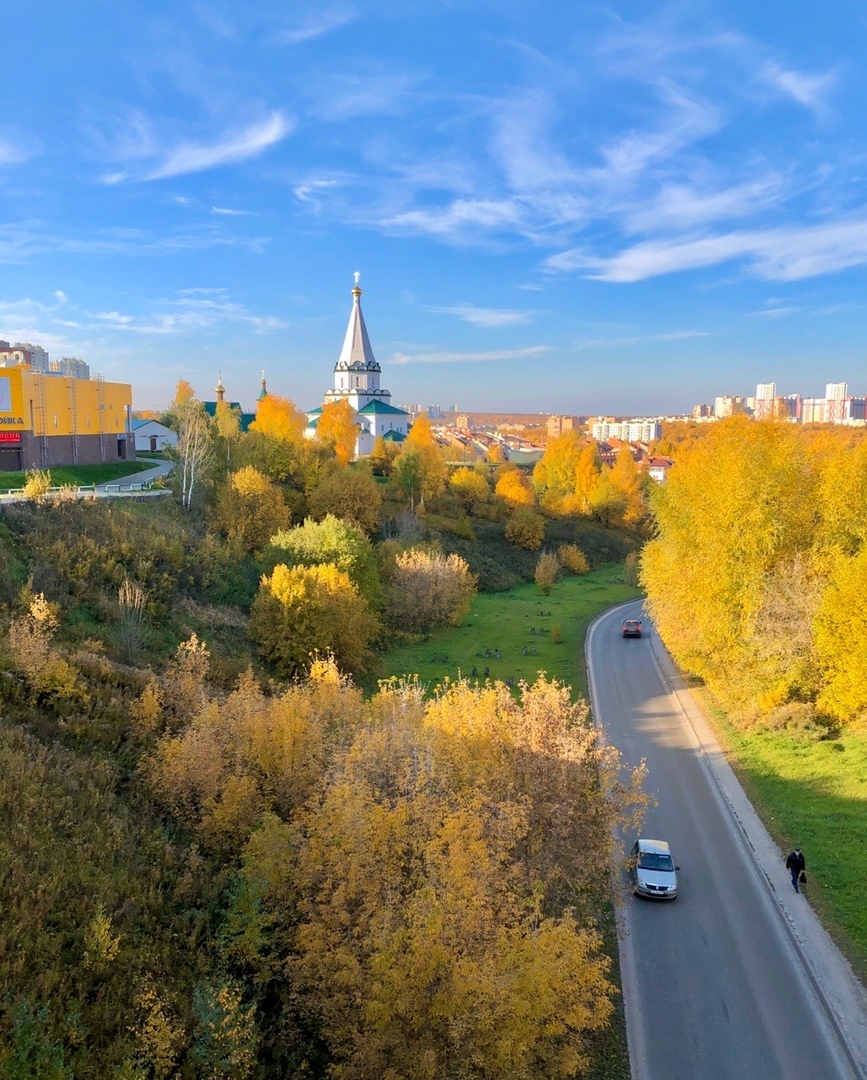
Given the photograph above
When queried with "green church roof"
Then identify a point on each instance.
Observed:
(382, 407)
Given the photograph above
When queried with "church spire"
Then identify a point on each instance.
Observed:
(263, 393)
(220, 390)
(357, 352)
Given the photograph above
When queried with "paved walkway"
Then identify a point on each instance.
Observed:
(136, 481)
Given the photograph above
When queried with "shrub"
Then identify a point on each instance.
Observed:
(573, 559)
(547, 569)
(526, 529)
(430, 590)
(36, 485)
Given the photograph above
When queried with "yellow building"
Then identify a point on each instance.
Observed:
(50, 419)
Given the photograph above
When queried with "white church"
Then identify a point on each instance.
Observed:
(356, 379)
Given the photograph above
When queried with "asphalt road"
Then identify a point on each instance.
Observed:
(713, 986)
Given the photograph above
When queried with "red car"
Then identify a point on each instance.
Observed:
(631, 628)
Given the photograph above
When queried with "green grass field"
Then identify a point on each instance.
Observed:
(813, 795)
(78, 474)
(515, 621)
(505, 621)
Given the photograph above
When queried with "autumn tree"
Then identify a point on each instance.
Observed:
(554, 473)
(513, 487)
(573, 559)
(587, 469)
(351, 494)
(227, 429)
(547, 571)
(307, 610)
(629, 482)
(470, 486)
(331, 540)
(193, 451)
(526, 529)
(431, 466)
(383, 455)
(839, 635)
(608, 501)
(337, 429)
(280, 419)
(429, 589)
(250, 508)
(407, 475)
(738, 506)
(433, 874)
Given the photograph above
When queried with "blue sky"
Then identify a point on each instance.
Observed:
(615, 208)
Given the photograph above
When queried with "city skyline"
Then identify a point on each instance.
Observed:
(587, 211)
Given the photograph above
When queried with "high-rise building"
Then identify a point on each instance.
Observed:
(728, 405)
(766, 400)
(558, 424)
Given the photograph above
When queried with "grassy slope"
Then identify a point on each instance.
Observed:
(78, 474)
(813, 795)
(503, 620)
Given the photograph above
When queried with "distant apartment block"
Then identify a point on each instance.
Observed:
(434, 412)
(766, 401)
(702, 412)
(626, 430)
(728, 405)
(558, 424)
(70, 367)
(22, 352)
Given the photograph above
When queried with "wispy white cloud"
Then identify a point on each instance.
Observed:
(462, 220)
(237, 146)
(225, 211)
(191, 157)
(640, 339)
(323, 23)
(311, 188)
(60, 296)
(490, 356)
(811, 91)
(773, 312)
(188, 314)
(686, 118)
(487, 318)
(214, 21)
(370, 92)
(13, 153)
(682, 206)
(785, 254)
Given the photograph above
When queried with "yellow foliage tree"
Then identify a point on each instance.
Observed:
(526, 529)
(338, 429)
(470, 486)
(279, 418)
(514, 489)
(839, 638)
(432, 469)
(430, 589)
(306, 610)
(251, 509)
(738, 504)
(350, 494)
(554, 474)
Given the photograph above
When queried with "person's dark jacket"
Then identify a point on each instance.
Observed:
(796, 862)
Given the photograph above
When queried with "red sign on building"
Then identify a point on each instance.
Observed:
(10, 437)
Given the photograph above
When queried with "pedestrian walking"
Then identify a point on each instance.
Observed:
(796, 864)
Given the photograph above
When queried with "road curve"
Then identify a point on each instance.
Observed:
(714, 985)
